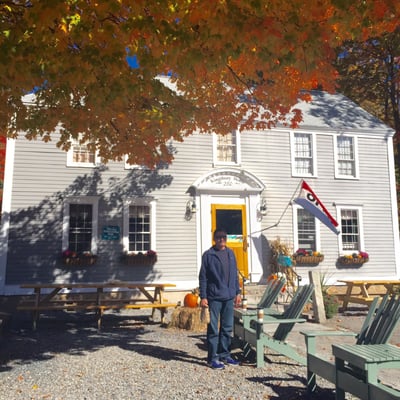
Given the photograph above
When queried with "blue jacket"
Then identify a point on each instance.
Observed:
(211, 277)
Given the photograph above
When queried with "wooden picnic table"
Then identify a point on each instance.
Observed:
(358, 291)
(357, 368)
(95, 296)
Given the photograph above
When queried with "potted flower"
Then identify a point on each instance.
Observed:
(331, 305)
(359, 257)
(331, 301)
(148, 258)
(303, 256)
(70, 257)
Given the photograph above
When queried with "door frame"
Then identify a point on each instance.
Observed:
(253, 224)
(230, 186)
(239, 248)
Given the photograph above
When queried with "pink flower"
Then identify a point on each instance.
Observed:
(302, 252)
(67, 253)
(364, 254)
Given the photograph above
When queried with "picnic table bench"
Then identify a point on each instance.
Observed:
(95, 296)
(363, 291)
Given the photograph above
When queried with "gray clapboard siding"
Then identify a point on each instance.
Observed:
(42, 181)
(35, 174)
(373, 164)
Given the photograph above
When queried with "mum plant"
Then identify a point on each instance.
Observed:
(359, 257)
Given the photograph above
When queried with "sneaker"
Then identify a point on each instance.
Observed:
(216, 365)
(231, 361)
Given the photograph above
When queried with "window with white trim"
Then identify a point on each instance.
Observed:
(80, 224)
(351, 229)
(79, 155)
(307, 230)
(227, 148)
(139, 226)
(346, 165)
(132, 166)
(303, 154)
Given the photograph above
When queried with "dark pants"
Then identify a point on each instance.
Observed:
(219, 330)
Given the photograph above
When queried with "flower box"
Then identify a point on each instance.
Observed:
(352, 260)
(309, 259)
(140, 259)
(305, 256)
(80, 260)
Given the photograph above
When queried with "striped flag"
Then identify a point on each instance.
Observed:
(309, 201)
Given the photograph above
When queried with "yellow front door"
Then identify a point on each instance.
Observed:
(232, 218)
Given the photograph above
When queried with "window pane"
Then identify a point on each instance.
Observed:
(303, 153)
(226, 147)
(231, 221)
(350, 230)
(346, 159)
(306, 230)
(80, 227)
(139, 228)
(81, 154)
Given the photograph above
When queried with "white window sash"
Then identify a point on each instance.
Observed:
(86, 164)
(94, 202)
(358, 210)
(310, 159)
(235, 151)
(296, 233)
(139, 202)
(341, 160)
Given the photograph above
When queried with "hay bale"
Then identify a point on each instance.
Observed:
(187, 318)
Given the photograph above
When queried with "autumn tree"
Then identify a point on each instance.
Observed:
(369, 73)
(92, 66)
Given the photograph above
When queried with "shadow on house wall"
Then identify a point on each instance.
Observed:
(35, 235)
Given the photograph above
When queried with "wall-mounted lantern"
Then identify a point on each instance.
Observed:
(191, 206)
(262, 207)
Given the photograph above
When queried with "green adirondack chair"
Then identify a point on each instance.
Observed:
(250, 332)
(382, 392)
(377, 328)
(271, 293)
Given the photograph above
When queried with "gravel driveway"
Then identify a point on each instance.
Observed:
(132, 358)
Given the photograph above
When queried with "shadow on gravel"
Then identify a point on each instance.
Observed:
(293, 393)
(76, 334)
(202, 344)
(283, 390)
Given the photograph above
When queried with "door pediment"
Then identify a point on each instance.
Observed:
(228, 180)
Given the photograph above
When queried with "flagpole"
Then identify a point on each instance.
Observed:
(284, 212)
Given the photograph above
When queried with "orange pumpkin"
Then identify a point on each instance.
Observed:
(191, 300)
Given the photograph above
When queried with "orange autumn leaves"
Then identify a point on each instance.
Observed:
(218, 52)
